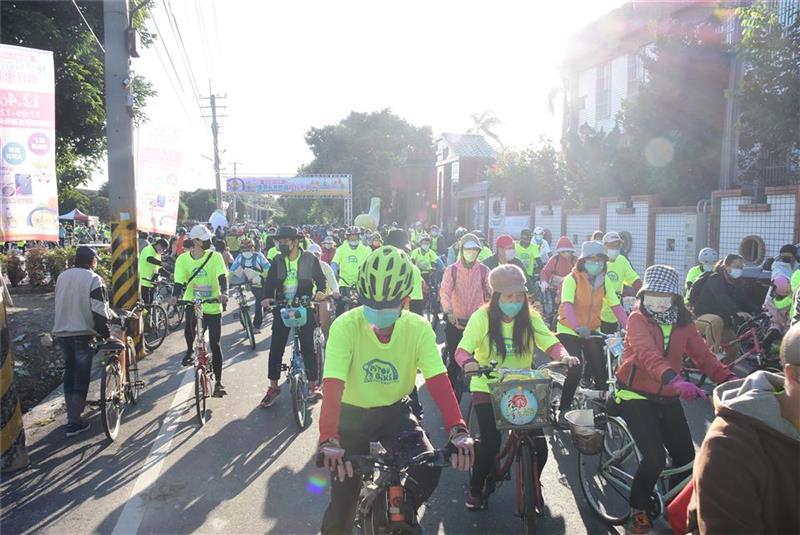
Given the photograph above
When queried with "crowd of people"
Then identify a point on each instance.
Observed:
(488, 300)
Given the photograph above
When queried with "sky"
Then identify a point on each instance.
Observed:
(286, 67)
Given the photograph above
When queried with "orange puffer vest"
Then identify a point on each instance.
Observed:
(588, 300)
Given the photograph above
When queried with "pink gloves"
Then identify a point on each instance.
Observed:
(687, 390)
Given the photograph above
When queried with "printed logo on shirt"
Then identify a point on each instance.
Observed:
(509, 343)
(612, 275)
(380, 371)
(352, 259)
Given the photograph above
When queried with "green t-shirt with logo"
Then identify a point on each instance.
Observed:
(416, 289)
(290, 284)
(206, 284)
(528, 255)
(425, 260)
(146, 269)
(349, 261)
(619, 273)
(476, 342)
(377, 374)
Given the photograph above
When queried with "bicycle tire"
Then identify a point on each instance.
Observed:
(111, 398)
(528, 488)
(248, 327)
(175, 317)
(299, 402)
(200, 395)
(132, 384)
(155, 327)
(319, 350)
(593, 482)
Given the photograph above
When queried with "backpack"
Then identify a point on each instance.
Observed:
(696, 291)
(484, 280)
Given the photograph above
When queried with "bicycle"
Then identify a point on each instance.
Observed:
(119, 379)
(432, 306)
(520, 408)
(244, 314)
(348, 299)
(454, 371)
(383, 507)
(154, 327)
(202, 363)
(294, 315)
(749, 346)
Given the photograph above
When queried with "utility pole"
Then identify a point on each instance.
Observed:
(215, 134)
(235, 194)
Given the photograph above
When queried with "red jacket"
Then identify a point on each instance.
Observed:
(645, 361)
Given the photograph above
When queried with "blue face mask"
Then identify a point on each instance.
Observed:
(510, 309)
(382, 319)
(593, 268)
(538, 239)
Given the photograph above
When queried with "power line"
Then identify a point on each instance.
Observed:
(203, 36)
(187, 61)
(86, 22)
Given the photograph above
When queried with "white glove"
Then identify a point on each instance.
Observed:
(583, 332)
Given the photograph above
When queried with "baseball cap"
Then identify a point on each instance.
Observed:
(504, 241)
(611, 237)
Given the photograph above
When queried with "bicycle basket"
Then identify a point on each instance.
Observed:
(294, 316)
(521, 404)
(586, 438)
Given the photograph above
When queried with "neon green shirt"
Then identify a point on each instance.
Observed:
(377, 374)
(272, 253)
(476, 341)
(619, 273)
(666, 330)
(146, 269)
(484, 254)
(691, 277)
(233, 243)
(206, 284)
(795, 281)
(416, 290)
(349, 261)
(568, 287)
(425, 260)
(528, 255)
(290, 284)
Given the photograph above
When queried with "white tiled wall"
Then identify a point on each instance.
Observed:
(549, 222)
(775, 227)
(673, 227)
(581, 226)
(636, 225)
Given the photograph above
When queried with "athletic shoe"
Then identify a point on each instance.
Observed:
(314, 392)
(639, 524)
(562, 423)
(76, 428)
(256, 330)
(219, 390)
(270, 397)
(187, 358)
(475, 500)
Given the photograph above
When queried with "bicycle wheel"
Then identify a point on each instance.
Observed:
(174, 317)
(132, 383)
(200, 394)
(319, 351)
(299, 403)
(155, 327)
(111, 398)
(248, 326)
(606, 478)
(529, 500)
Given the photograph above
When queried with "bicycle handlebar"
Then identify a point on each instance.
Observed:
(198, 301)
(502, 371)
(367, 464)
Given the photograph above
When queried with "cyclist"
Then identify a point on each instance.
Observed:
(778, 301)
(650, 386)
(558, 266)
(371, 367)
(179, 245)
(233, 239)
(506, 330)
(621, 274)
(529, 251)
(81, 313)
(149, 263)
(486, 252)
(454, 250)
(706, 260)
(465, 289)
(425, 258)
(376, 241)
(348, 259)
(437, 241)
(746, 472)
(583, 293)
(252, 267)
(417, 233)
(332, 290)
(506, 254)
(328, 249)
(201, 274)
(293, 273)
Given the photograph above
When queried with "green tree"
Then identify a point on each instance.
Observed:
(79, 76)
(201, 203)
(368, 146)
(99, 206)
(770, 91)
(71, 199)
(534, 174)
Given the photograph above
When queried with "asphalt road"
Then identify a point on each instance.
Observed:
(246, 471)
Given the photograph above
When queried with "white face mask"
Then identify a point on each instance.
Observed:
(707, 266)
(736, 273)
(247, 254)
(655, 304)
(425, 246)
(470, 255)
(511, 254)
(613, 253)
(327, 245)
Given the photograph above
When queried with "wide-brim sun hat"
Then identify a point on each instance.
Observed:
(593, 248)
(661, 278)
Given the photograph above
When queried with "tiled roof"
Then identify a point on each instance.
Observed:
(470, 146)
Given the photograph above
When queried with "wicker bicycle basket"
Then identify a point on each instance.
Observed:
(521, 404)
(585, 436)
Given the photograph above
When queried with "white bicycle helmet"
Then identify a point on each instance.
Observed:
(707, 256)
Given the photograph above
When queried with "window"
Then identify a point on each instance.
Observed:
(445, 153)
(603, 105)
(635, 73)
(753, 250)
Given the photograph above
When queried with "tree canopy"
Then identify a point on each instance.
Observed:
(531, 175)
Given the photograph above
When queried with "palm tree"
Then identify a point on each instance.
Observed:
(485, 123)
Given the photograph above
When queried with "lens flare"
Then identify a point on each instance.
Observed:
(659, 152)
(316, 484)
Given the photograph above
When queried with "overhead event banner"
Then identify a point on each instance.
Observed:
(159, 165)
(29, 200)
(297, 186)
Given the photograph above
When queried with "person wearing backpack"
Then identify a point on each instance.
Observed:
(719, 300)
(464, 289)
